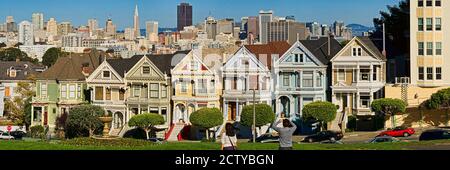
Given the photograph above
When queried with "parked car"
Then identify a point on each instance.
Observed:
(332, 142)
(5, 136)
(267, 138)
(384, 139)
(17, 134)
(324, 135)
(435, 134)
(398, 132)
(156, 140)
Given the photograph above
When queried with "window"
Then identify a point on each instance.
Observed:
(163, 91)
(98, 93)
(357, 51)
(429, 24)
(43, 90)
(438, 26)
(420, 24)
(286, 81)
(296, 58)
(421, 49)
(438, 73)
(365, 101)
(341, 75)
(194, 66)
(421, 73)
(439, 48)
(365, 74)
(121, 94)
(106, 74)
(7, 91)
(72, 91)
(375, 68)
(183, 87)
(437, 3)
(429, 48)
(79, 91)
(429, 2)
(319, 79)
(308, 79)
(212, 86)
(146, 70)
(154, 90)
(108, 94)
(420, 4)
(136, 91)
(144, 91)
(202, 88)
(429, 73)
(63, 91)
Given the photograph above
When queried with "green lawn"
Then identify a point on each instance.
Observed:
(90, 144)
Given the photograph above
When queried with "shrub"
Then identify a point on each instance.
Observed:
(207, 118)
(146, 121)
(83, 121)
(321, 111)
(264, 115)
(37, 131)
(389, 107)
(123, 142)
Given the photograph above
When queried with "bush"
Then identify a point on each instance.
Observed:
(83, 121)
(351, 124)
(124, 142)
(321, 111)
(389, 107)
(37, 132)
(264, 115)
(210, 140)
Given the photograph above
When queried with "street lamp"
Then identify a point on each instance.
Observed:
(254, 116)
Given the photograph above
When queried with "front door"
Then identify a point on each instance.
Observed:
(231, 111)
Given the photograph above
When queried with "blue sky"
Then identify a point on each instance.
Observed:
(164, 11)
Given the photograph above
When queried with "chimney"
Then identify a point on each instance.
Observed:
(329, 45)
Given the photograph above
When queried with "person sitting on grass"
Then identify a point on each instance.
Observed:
(285, 133)
(229, 140)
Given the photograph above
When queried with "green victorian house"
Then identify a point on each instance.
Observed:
(61, 87)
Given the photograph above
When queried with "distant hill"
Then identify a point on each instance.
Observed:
(359, 29)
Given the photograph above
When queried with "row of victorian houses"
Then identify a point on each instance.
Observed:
(285, 76)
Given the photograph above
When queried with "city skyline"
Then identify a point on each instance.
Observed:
(166, 13)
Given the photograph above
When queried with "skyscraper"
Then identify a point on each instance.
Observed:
(211, 27)
(52, 27)
(253, 26)
(64, 28)
(152, 30)
(184, 16)
(286, 31)
(137, 30)
(110, 28)
(264, 18)
(10, 24)
(338, 27)
(93, 26)
(38, 21)
(129, 34)
(314, 28)
(225, 26)
(26, 33)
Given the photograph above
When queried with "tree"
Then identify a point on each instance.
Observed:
(84, 119)
(320, 111)
(19, 107)
(397, 25)
(12, 54)
(51, 55)
(207, 118)
(146, 121)
(440, 100)
(264, 115)
(389, 107)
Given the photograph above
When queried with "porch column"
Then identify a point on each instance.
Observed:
(225, 110)
(292, 107)
(357, 101)
(278, 106)
(371, 73)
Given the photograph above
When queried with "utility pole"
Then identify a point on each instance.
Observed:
(254, 116)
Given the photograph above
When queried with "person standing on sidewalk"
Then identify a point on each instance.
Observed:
(285, 133)
(229, 140)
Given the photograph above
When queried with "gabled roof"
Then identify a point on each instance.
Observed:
(319, 48)
(277, 48)
(23, 69)
(373, 45)
(165, 62)
(123, 65)
(71, 67)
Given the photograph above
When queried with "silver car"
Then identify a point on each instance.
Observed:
(5, 136)
(384, 139)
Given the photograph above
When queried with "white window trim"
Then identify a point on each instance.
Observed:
(338, 75)
(103, 74)
(149, 70)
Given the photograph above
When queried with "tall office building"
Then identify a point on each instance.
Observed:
(325, 29)
(129, 33)
(244, 24)
(110, 28)
(137, 30)
(52, 27)
(338, 28)
(26, 30)
(10, 24)
(184, 16)
(151, 29)
(64, 28)
(225, 26)
(38, 21)
(211, 28)
(314, 28)
(429, 43)
(253, 26)
(264, 18)
(286, 31)
(93, 26)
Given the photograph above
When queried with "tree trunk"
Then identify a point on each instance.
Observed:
(146, 133)
(393, 120)
(446, 117)
(207, 134)
(91, 132)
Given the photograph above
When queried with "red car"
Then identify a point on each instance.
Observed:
(398, 132)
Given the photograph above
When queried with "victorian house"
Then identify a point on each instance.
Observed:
(358, 78)
(62, 87)
(300, 76)
(246, 73)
